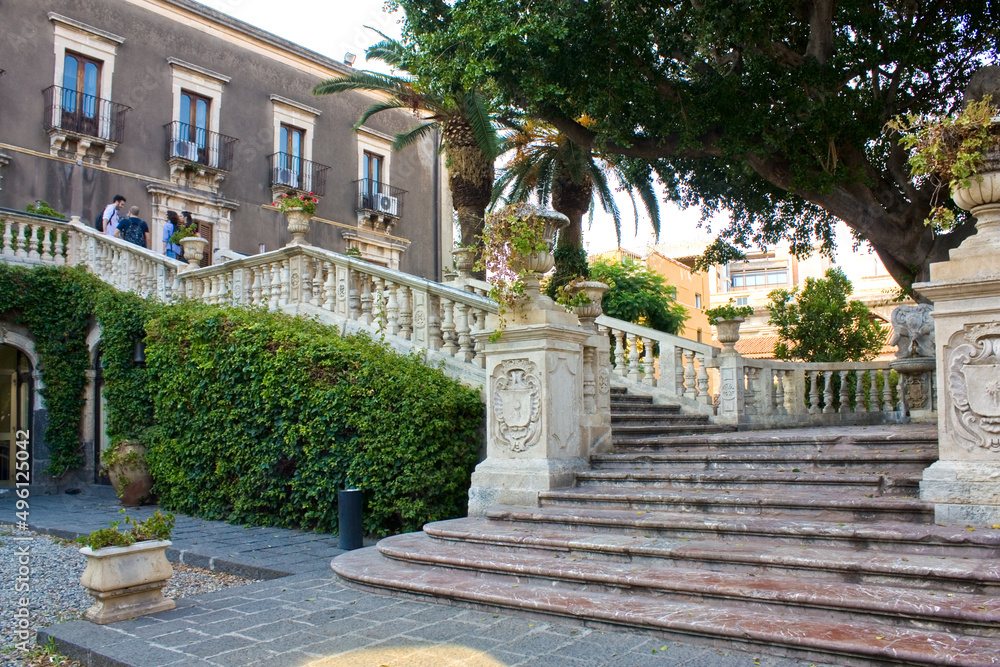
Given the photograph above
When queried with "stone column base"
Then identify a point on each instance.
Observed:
(963, 492)
(518, 481)
(125, 603)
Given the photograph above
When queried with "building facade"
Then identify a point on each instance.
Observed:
(178, 107)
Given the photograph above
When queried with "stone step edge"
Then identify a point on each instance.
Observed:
(790, 436)
(763, 526)
(366, 566)
(766, 457)
(957, 608)
(752, 477)
(830, 559)
(755, 498)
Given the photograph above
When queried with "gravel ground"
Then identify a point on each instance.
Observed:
(56, 594)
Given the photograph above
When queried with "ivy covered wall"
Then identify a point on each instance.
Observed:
(252, 416)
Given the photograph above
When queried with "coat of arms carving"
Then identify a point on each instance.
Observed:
(974, 383)
(516, 404)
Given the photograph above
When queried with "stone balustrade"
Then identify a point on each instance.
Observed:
(30, 239)
(645, 358)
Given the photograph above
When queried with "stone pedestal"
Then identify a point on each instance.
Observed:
(534, 399)
(965, 482)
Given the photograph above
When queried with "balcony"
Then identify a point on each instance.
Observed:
(81, 126)
(290, 172)
(379, 200)
(197, 146)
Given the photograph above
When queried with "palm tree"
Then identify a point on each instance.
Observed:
(469, 139)
(546, 163)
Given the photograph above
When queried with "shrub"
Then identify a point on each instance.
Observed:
(159, 526)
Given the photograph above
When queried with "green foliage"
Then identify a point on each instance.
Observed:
(182, 232)
(55, 304)
(42, 207)
(262, 418)
(159, 526)
(948, 151)
(728, 311)
(571, 263)
(772, 112)
(639, 295)
(820, 324)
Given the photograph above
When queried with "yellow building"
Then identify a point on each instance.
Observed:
(692, 288)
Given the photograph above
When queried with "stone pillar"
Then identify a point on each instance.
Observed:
(732, 375)
(964, 484)
(913, 328)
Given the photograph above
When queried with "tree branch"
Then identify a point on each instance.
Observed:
(820, 44)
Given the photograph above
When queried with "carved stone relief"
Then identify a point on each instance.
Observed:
(913, 328)
(974, 383)
(516, 404)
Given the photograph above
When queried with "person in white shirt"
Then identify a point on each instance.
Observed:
(111, 215)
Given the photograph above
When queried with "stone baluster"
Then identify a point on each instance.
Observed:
(448, 326)
(21, 241)
(648, 366)
(31, 241)
(365, 291)
(620, 368)
(59, 248)
(633, 357)
(873, 397)
(306, 289)
(255, 286)
(434, 341)
(354, 295)
(275, 291)
(845, 395)
(379, 316)
(678, 371)
(463, 330)
(392, 309)
(827, 392)
(8, 241)
(690, 385)
(330, 287)
(814, 408)
(284, 277)
(479, 346)
(703, 396)
(859, 392)
(47, 255)
(405, 312)
(886, 391)
(901, 397)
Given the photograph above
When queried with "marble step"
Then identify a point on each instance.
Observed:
(882, 536)
(640, 411)
(624, 435)
(821, 600)
(877, 485)
(829, 507)
(858, 642)
(653, 425)
(908, 438)
(746, 555)
(847, 460)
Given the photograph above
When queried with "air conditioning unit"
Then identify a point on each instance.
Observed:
(186, 150)
(286, 177)
(387, 205)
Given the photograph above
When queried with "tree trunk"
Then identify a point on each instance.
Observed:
(573, 201)
(470, 179)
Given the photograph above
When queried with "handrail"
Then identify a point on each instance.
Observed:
(295, 172)
(74, 111)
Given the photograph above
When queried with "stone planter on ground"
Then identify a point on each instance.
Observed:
(127, 582)
(194, 250)
(130, 476)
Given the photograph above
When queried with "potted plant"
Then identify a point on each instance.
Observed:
(517, 250)
(298, 211)
(583, 297)
(959, 154)
(193, 245)
(727, 319)
(126, 465)
(126, 571)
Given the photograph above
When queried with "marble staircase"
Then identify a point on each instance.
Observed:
(807, 542)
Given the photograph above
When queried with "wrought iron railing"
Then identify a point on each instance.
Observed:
(73, 111)
(379, 198)
(199, 146)
(297, 173)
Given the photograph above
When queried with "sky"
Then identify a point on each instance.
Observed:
(336, 27)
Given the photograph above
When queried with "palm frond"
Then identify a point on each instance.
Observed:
(475, 110)
(414, 134)
(378, 107)
(365, 80)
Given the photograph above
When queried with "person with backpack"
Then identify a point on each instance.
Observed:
(134, 229)
(109, 219)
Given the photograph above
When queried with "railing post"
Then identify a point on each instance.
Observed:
(732, 385)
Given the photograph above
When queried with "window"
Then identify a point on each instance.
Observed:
(193, 135)
(371, 170)
(292, 163)
(289, 158)
(194, 119)
(697, 301)
(742, 301)
(80, 90)
(760, 278)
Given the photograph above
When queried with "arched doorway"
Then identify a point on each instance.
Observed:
(15, 414)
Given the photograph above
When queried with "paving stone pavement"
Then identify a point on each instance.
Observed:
(304, 614)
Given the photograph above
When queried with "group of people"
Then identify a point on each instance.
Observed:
(136, 230)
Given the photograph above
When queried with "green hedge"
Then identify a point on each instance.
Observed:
(262, 417)
(251, 416)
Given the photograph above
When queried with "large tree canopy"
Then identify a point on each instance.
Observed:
(771, 109)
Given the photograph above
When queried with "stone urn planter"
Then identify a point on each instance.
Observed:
(129, 473)
(194, 250)
(729, 333)
(127, 582)
(537, 263)
(982, 199)
(298, 225)
(594, 291)
(465, 261)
